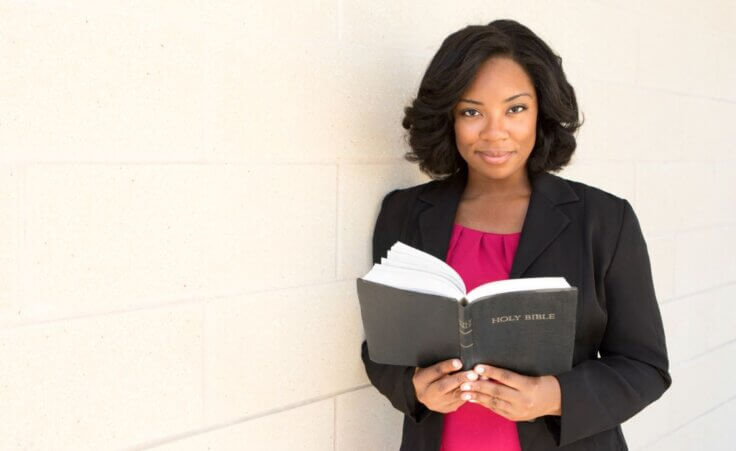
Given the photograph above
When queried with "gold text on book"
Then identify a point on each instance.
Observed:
(525, 317)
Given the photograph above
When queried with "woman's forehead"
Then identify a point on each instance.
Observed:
(499, 79)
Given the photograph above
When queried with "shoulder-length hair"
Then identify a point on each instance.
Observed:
(429, 119)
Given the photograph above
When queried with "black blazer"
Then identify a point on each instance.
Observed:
(593, 239)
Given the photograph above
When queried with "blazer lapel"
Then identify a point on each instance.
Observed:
(543, 222)
(435, 223)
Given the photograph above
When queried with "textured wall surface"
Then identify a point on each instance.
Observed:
(188, 191)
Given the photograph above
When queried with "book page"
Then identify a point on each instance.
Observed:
(405, 262)
(414, 280)
(408, 268)
(520, 284)
(418, 259)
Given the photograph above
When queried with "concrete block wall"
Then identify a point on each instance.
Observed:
(188, 190)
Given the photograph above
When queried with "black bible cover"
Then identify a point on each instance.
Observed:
(529, 331)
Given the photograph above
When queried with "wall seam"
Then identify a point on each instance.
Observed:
(181, 436)
(703, 354)
(690, 421)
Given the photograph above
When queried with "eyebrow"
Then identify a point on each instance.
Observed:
(507, 100)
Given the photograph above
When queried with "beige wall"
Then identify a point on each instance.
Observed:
(188, 190)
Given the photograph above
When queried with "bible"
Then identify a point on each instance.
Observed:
(416, 311)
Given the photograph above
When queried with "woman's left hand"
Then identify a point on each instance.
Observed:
(513, 395)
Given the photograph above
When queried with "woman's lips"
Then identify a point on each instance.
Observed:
(495, 157)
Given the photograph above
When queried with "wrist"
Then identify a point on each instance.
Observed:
(555, 404)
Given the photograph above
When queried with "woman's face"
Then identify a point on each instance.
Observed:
(496, 121)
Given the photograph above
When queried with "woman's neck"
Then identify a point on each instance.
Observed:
(480, 187)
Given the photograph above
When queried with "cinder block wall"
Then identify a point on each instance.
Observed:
(188, 190)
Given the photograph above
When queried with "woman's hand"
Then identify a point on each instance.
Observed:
(438, 388)
(512, 395)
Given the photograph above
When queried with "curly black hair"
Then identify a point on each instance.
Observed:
(429, 119)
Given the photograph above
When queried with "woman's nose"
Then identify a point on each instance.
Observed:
(494, 128)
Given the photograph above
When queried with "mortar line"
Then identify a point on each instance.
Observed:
(176, 437)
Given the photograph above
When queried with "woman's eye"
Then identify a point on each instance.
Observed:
(522, 108)
(469, 111)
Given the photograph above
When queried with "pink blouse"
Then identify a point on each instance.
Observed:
(480, 257)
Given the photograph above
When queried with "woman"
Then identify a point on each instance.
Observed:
(494, 114)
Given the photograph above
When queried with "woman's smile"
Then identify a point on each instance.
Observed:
(496, 157)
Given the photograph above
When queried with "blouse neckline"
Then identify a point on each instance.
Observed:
(486, 233)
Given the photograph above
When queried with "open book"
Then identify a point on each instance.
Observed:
(416, 311)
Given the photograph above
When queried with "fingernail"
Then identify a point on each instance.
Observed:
(457, 364)
(472, 376)
(466, 396)
(479, 369)
(465, 387)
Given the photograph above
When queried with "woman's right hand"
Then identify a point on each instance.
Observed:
(438, 386)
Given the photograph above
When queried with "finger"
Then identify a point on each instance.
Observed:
(435, 372)
(453, 400)
(497, 390)
(499, 406)
(451, 382)
(502, 375)
(453, 405)
(494, 389)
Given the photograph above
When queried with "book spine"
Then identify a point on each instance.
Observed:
(466, 337)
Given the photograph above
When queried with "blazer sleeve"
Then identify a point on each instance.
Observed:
(632, 370)
(393, 381)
